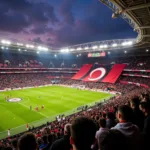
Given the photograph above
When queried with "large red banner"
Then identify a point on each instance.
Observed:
(82, 72)
(115, 73)
(97, 73)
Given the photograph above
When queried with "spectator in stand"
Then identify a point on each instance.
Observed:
(8, 148)
(125, 126)
(100, 134)
(14, 144)
(110, 120)
(138, 116)
(2, 147)
(145, 108)
(114, 140)
(45, 142)
(63, 143)
(83, 132)
(50, 141)
(144, 97)
(27, 142)
(40, 142)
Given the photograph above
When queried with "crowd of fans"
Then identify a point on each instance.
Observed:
(123, 122)
(103, 86)
(137, 73)
(23, 80)
(32, 61)
(141, 80)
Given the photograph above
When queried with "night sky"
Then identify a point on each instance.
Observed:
(59, 23)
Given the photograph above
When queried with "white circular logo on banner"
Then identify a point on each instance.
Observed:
(14, 100)
(103, 72)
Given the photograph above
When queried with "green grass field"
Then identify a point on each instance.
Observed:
(56, 99)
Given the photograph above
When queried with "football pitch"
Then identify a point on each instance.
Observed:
(56, 100)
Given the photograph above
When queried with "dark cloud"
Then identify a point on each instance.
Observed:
(16, 5)
(66, 11)
(13, 23)
(39, 30)
(75, 22)
(37, 40)
(17, 15)
(95, 26)
(49, 39)
(43, 12)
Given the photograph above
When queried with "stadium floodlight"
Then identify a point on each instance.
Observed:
(19, 49)
(27, 46)
(39, 47)
(5, 42)
(109, 53)
(8, 42)
(101, 46)
(2, 47)
(72, 49)
(42, 48)
(80, 54)
(30, 46)
(77, 56)
(125, 52)
(62, 50)
(79, 48)
(124, 43)
(66, 50)
(105, 46)
(55, 55)
(130, 43)
(147, 50)
(94, 47)
(114, 45)
(19, 44)
(45, 48)
(127, 43)
(37, 52)
(86, 48)
(6, 47)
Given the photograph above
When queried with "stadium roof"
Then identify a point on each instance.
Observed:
(136, 13)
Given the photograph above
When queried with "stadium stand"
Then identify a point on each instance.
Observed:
(54, 130)
(52, 134)
(123, 122)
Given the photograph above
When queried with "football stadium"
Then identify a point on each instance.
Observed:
(65, 83)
